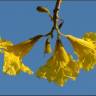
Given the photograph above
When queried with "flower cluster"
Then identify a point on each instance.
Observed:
(61, 66)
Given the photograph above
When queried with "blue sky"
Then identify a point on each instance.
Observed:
(20, 21)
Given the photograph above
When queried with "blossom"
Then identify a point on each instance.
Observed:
(85, 51)
(60, 67)
(13, 55)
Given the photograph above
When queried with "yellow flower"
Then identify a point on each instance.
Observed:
(85, 51)
(13, 56)
(47, 47)
(60, 67)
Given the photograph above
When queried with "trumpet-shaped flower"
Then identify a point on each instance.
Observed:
(85, 51)
(13, 56)
(57, 69)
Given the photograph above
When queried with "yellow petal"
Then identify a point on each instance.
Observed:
(90, 36)
(73, 68)
(26, 69)
(60, 78)
(5, 43)
(41, 73)
(12, 64)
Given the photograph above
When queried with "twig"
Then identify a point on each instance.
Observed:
(56, 11)
(56, 16)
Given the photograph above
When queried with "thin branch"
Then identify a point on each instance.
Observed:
(56, 17)
(56, 11)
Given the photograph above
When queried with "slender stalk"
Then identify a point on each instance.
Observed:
(52, 30)
(56, 15)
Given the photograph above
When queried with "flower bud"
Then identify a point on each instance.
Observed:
(47, 47)
(42, 9)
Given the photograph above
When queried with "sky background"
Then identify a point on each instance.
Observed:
(19, 21)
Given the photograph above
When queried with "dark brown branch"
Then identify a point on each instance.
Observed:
(56, 11)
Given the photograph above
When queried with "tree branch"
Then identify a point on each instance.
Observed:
(56, 11)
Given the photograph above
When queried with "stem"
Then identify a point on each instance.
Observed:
(50, 16)
(56, 15)
(52, 30)
(56, 10)
(55, 20)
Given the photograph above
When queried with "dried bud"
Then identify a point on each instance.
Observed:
(42, 9)
(47, 47)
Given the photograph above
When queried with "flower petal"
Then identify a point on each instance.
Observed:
(26, 69)
(90, 35)
(11, 64)
(4, 43)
